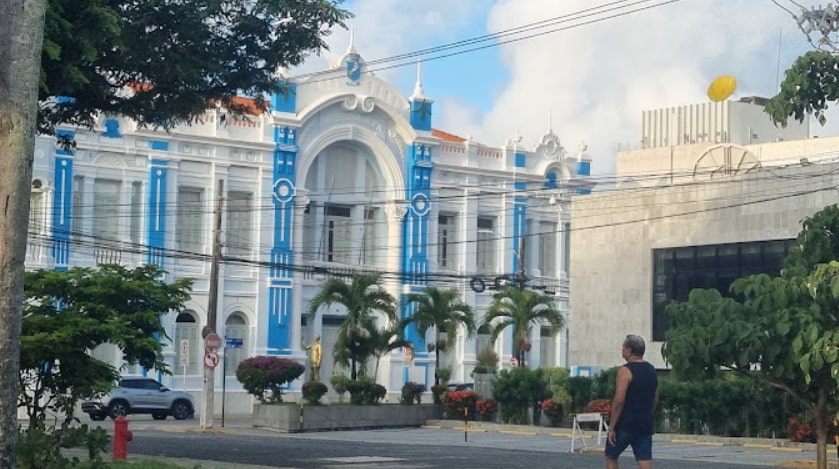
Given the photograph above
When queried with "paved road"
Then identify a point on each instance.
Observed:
(240, 446)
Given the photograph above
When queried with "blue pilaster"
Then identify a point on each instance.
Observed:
(62, 217)
(415, 230)
(519, 212)
(280, 281)
(156, 214)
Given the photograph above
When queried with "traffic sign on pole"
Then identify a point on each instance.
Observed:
(212, 341)
(211, 359)
(184, 356)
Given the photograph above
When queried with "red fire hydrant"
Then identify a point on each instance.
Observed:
(121, 438)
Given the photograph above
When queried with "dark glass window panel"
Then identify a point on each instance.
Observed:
(727, 256)
(706, 257)
(684, 259)
(677, 271)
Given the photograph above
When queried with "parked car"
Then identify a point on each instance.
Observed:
(461, 387)
(140, 395)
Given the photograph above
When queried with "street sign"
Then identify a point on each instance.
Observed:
(211, 359)
(407, 355)
(233, 342)
(184, 355)
(212, 341)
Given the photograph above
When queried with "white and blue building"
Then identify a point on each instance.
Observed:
(343, 175)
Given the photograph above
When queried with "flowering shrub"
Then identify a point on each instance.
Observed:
(553, 410)
(800, 431)
(604, 406)
(460, 402)
(313, 391)
(437, 391)
(486, 406)
(264, 377)
(551, 407)
(365, 391)
(412, 392)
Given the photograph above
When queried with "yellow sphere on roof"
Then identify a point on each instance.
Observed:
(722, 87)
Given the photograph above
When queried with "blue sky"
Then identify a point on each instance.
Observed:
(593, 80)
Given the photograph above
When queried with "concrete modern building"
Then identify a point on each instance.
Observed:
(344, 175)
(689, 214)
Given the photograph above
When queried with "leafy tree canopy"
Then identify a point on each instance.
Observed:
(69, 313)
(781, 331)
(809, 85)
(817, 242)
(521, 309)
(178, 56)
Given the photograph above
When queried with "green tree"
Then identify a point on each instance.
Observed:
(816, 243)
(386, 339)
(808, 87)
(521, 309)
(69, 313)
(444, 311)
(179, 57)
(21, 37)
(362, 297)
(779, 331)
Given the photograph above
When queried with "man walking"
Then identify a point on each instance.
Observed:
(633, 407)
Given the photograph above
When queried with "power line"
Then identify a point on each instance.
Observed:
(311, 268)
(479, 39)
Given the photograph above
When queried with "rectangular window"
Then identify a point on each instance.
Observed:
(446, 242)
(311, 236)
(190, 220)
(566, 248)
(106, 211)
(677, 271)
(135, 230)
(485, 246)
(36, 213)
(369, 247)
(547, 248)
(77, 225)
(239, 235)
(547, 348)
(337, 234)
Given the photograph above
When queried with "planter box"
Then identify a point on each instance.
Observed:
(286, 418)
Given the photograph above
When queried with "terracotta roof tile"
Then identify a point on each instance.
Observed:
(445, 136)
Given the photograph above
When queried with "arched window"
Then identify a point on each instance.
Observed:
(186, 329)
(236, 327)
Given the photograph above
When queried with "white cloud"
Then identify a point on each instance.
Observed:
(596, 79)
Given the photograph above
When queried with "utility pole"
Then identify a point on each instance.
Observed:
(820, 25)
(208, 404)
(521, 279)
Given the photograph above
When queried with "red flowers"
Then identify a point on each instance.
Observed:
(550, 406)
(461, 402)
(486, 406)
(604, 406)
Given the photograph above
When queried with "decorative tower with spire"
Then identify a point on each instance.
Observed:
(284, 100)
(420, 104)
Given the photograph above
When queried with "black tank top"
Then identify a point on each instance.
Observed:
(638, 412)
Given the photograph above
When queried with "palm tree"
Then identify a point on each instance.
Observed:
(444, 311)
(521, 309)
(363, 296)
(387, 339)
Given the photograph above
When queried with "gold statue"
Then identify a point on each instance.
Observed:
(314, 357)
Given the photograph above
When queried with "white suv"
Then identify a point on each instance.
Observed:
(140, 396)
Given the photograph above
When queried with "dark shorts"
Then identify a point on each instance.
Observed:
(642, 445)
